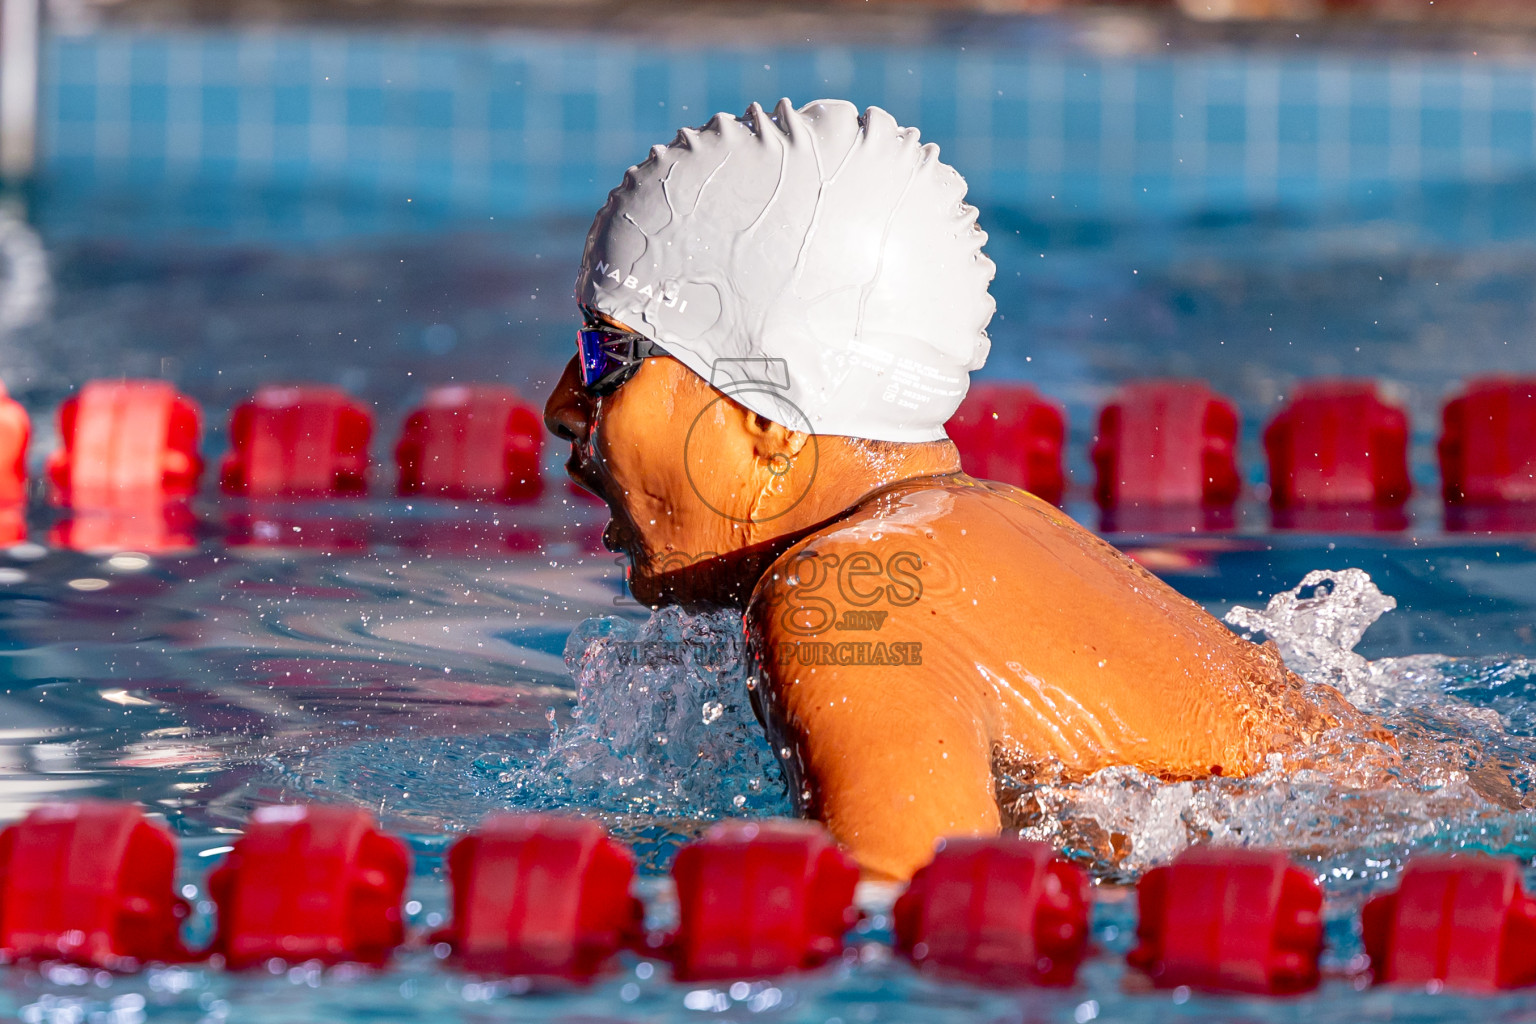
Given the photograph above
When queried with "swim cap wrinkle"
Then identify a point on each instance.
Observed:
(840, 244)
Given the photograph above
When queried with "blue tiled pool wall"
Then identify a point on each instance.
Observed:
(513, 124)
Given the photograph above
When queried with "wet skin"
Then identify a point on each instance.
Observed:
(1011, 637)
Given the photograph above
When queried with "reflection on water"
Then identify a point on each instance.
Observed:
(205, 683)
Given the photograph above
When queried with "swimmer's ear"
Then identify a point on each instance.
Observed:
(770, 438)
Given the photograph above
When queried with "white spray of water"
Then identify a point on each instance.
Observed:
(1350, 803)
(663, 724)
(1317, 634)
(25, 285)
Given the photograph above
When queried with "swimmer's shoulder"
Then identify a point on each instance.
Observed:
(955, 509)
(960, 516)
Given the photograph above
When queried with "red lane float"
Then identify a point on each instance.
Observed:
(13, 525)
(1229, 920)
(997, 910)
(15, 433)
(472, 442)
(1488, 455)
(90, 882)
(1165, 450)
(1488, 447)
(298, 441)
(1464, 921)
(1007, 432)
(127, 464)
(310, 883)
(758, 898)
(540, 895)
(126, 442)
(1338, 458)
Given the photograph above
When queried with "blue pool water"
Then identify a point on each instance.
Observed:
(422, 683)
(434, 661)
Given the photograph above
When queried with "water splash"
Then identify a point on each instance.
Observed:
(1461, 777)
(663, 725)
(25, 287)
(1317, 633)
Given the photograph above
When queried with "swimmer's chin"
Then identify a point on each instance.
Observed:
(645, 587)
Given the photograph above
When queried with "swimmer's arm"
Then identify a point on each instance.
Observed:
(891, 759)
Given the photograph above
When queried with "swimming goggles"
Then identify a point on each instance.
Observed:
(609, 358)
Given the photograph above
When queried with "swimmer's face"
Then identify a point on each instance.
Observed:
(682, 468)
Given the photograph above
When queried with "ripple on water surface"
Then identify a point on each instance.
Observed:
(433, 686)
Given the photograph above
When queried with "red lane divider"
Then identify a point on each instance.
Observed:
(759, 898)
(1488, 455)
(1464, 921)
(1007, 432)
(1166, 445)
(126, 442)
(996, 910)
(545, 896)
(310, 883)
(127, 466)
(13, 525)
(15, 433)
(1338, 447)
(1230, 920)
(1337, 454)
(473, 442)
(540, 895)
(1488, 447)
(298, 441)
(90, 882)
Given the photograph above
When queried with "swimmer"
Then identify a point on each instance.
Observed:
(781, 311)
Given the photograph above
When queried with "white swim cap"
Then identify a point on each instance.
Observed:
(821, 268)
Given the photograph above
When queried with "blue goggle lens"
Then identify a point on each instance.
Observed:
(596, 361)
(609, 357)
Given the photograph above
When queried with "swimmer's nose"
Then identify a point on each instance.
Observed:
(568, 413)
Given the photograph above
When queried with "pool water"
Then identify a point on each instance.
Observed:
(423, 681)
(434, 661)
